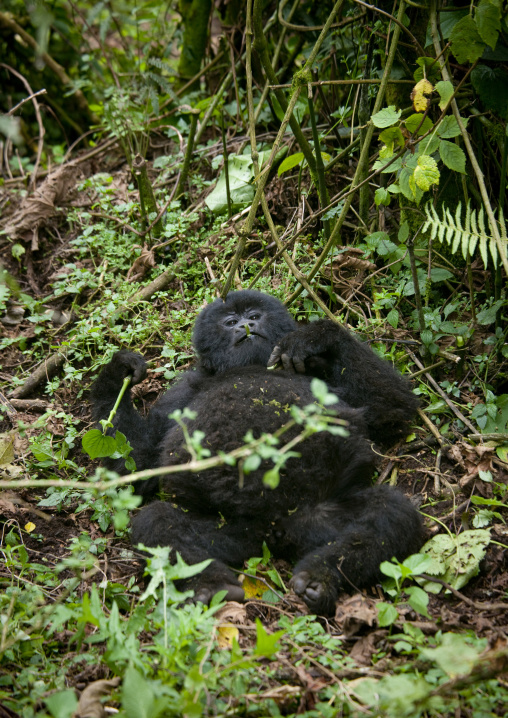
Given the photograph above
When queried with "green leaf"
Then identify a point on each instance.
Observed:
(62, 704)
(448, 128)
(467, 44)
(97, 445)
(426, 174)
(418, 599)
(241, 175)
(386, 614)
(382, 196)
(480, 501)
(488, 21)
(391, 569)
(290, 162)
(415, 121)
(453, 156)
(488, 316)
(386, 117)
(429, 145)
(437, 274)
(391, 137)
(137, 695)
(445, 90)
(271, 478)
(457, 558)
(426, 336)
(251, 463)
(393, 318)
(455, 656)
(267, 644)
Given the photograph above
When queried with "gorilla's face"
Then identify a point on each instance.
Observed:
(240, 331)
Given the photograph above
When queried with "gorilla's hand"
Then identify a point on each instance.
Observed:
(125, 363)
(305, 350)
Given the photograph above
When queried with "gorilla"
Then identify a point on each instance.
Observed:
(324, 515)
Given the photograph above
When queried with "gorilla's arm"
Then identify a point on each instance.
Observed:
(358, 376)
(143, 434)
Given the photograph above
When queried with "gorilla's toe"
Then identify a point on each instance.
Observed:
(234, 592)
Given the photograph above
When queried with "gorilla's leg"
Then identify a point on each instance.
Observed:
(196, 538)
(339, 546)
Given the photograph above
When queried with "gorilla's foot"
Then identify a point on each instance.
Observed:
(216, 577)
(318, 592)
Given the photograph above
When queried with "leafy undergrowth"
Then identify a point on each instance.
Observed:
(79, 622)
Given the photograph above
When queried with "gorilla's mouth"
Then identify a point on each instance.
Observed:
(247, 337)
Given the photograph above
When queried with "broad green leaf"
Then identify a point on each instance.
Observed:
(386, 117)
(290, 162)
(467, 44)
(62, 704)
(391, 569)
(387, 614)
(251, 463)
(448, 128)
(457, 558)
(445, 90)
(455, 656)
(453, 156)
(137, 695)
(271, 478)
(488, 21)
(373, 240)
(429, 145)
(392, 137)
(266, 643)
(488, 316)
(418, 599)
(417, 121)
(437, 274)
(97, 445)
(427, 173)
(393, 318)
(382, 196)
(431, 67)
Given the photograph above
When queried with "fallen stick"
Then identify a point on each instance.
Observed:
(51, 366)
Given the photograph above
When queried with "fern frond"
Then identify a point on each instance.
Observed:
(473, 233)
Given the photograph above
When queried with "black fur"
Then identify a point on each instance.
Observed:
(324, 515)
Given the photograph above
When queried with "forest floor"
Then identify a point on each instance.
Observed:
(441, 471)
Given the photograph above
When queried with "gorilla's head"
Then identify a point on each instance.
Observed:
(240, 331)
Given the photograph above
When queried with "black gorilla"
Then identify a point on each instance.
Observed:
(324, 514)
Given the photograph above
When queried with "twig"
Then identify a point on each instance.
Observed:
(469, 601)
(42, 131)
(51, 365)
(334, 237)
(443, 394)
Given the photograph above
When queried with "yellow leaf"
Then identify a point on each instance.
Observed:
(29, 527)
(422, 88)
(226, 635)
(253, 588)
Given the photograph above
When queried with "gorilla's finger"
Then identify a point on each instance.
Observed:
(274, 357)
(299, 365)
(287, 363)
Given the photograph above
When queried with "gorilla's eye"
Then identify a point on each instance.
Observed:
(255, 317)
(230, 322)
